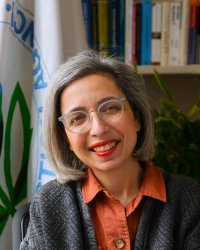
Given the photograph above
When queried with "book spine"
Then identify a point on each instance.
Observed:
(198, 39)
(103, 25)
(192, 39)
(184, 32)
(146, 32)
(156, 34)
(165, 33)
(138, 32)
(86, 7)
(121, 33)
(113, 9)
(95, 24)
(134, 34)
(174, 37)
(128, 30)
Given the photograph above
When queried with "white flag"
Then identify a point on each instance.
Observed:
(16, 77)
(59, 33)
(35, 37)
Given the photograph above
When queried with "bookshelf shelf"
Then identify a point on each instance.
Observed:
(186, 69)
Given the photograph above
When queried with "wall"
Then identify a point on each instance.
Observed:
(184, 88)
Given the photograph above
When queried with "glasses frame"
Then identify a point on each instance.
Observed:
(120, 100)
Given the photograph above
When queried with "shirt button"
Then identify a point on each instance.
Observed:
(119, 243)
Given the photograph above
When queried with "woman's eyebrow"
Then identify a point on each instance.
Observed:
(83, 108)
(79, 108)
(107, 99)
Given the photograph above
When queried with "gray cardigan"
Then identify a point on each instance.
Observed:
(59, 220)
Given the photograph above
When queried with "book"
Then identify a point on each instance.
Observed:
(134, 34)
(165, 33)
(94, 11)
(192, 37)
(184, 32)
(146, 16)
(121, 30)
(113, 8)
(198, 39)
(86, 8)
(156, 34)
(103, 25)
(174, 35)
(138, 32)
(128, 30)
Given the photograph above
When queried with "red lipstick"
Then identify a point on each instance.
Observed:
(107, 152)
(99, 149)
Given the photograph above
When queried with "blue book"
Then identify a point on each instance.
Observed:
(121, 30)
(113, 8)
(192, 44)
(192, 36)
(87, 16)
(146, 28)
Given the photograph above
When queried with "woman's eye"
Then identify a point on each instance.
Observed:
(111, 108)
(77, 119)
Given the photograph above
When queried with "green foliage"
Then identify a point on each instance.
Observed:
(177, 135)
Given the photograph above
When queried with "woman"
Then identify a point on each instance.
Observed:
(99, 138)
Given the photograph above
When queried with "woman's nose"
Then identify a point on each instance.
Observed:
(97, 125)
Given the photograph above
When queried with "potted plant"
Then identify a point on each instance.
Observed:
(177, 135)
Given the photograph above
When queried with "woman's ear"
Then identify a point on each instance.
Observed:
(137, 121)
(137, 125)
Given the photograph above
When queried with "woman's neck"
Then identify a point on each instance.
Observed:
(122, 184)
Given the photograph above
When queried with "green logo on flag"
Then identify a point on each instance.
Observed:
(18, 191)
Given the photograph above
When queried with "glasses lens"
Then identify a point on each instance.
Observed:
(111, 111)
(76, 121)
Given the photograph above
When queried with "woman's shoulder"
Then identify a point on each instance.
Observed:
(180, 180)
(182, 188)
(51, 185)
(54, 191)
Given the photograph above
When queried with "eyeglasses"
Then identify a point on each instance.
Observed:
(79, 121)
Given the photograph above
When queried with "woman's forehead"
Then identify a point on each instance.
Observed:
(88, 91)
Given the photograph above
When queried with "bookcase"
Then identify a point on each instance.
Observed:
(180, 74)
(155, 34)
(171, 70)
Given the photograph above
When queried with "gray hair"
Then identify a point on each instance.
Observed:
(65, 163)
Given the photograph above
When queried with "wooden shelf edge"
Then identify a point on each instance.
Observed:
(186, 69)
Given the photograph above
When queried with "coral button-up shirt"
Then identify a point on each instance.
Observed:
(116, 226)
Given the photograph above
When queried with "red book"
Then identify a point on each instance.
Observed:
(193, 26)
(134, 34)
(194, 13)
(138, 32)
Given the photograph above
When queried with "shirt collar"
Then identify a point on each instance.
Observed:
(153, 185)
(91, 187)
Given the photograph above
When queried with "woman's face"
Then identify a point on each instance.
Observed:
(104, 147)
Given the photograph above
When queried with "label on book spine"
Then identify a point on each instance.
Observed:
(165, 33)
(174, 37)
(156, 34)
